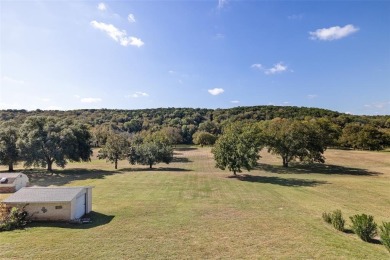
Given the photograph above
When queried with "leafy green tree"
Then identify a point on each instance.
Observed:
(134, 125)
(117, 148)
(203, 138)
(293, 139)
(365, 137)
(151, 153)
(9, 152)
(46, 140)
(237, 148)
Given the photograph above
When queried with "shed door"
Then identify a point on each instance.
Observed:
(80, 206)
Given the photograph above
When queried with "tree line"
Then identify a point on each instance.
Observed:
(70, 135)
(45, 141)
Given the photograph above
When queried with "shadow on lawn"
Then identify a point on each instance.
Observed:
(181, 160)
(288, 182)
(97, 219)
(160, 169)
(185, 149)
(316, 168)
(62, 177)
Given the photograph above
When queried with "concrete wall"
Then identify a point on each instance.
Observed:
(47, 211)
(89, 199)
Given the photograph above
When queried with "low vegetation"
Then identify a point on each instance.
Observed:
(14, 218)
(337, 220)
(385, 234)
(364, 226)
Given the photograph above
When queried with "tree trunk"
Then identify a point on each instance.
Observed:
(234, 172)
(10, 167)
(116, 164)
(285, 162)
(50, 165)
(150, 166)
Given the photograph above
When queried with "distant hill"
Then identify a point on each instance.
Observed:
(145, 119)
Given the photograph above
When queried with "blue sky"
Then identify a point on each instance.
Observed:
(209, 54)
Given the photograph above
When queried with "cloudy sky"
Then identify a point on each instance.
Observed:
(209, 54)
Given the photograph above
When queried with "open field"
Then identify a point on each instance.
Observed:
(191, 210)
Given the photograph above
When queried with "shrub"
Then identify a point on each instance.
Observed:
(338, 220)
(385, 234)
(327, 217)
(364, 226)
(15, 218)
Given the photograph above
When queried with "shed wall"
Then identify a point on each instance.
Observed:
(47, 211)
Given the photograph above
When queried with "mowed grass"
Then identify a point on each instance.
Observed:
(191, 210)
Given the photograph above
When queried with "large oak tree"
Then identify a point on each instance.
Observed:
(46, 140)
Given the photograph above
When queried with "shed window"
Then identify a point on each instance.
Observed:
(58, 207)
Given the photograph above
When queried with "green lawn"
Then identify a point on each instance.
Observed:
(189, 209)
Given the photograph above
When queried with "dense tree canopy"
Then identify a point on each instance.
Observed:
(151, 153)
(117, 147)
(203, 138)
(294, 139)
(9, 152)
(180, 124)
(366, 137)
(46, 140)
(237, 148)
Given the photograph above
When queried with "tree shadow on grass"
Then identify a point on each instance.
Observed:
(184, 149)
(96, 218)
(316, 168)
(61, 177)
(159, 169)
(181, 160)
(288, 182)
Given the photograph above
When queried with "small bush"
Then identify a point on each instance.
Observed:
(385, 234)
(338, 220)
(327, 217)
(14, 219)
(364, 226)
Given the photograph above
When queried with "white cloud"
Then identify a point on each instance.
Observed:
(7, 79)
(53, 108)
(312, 96)
(221, 3)
(277, 68)
(295, 17)
(76, 96)
(333, 33)
(219, 36)
(235, 101)
(138, 94)
(378, 105)
(257, 66)
(91, 100)
(216, 91)
(45, 99)
(117, 35)
(102, 7)
(131, 18)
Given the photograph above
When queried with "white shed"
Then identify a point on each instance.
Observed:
(11, 182)
(53, 203)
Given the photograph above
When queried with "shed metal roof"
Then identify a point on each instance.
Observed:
(11, 177)
(44, 194)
